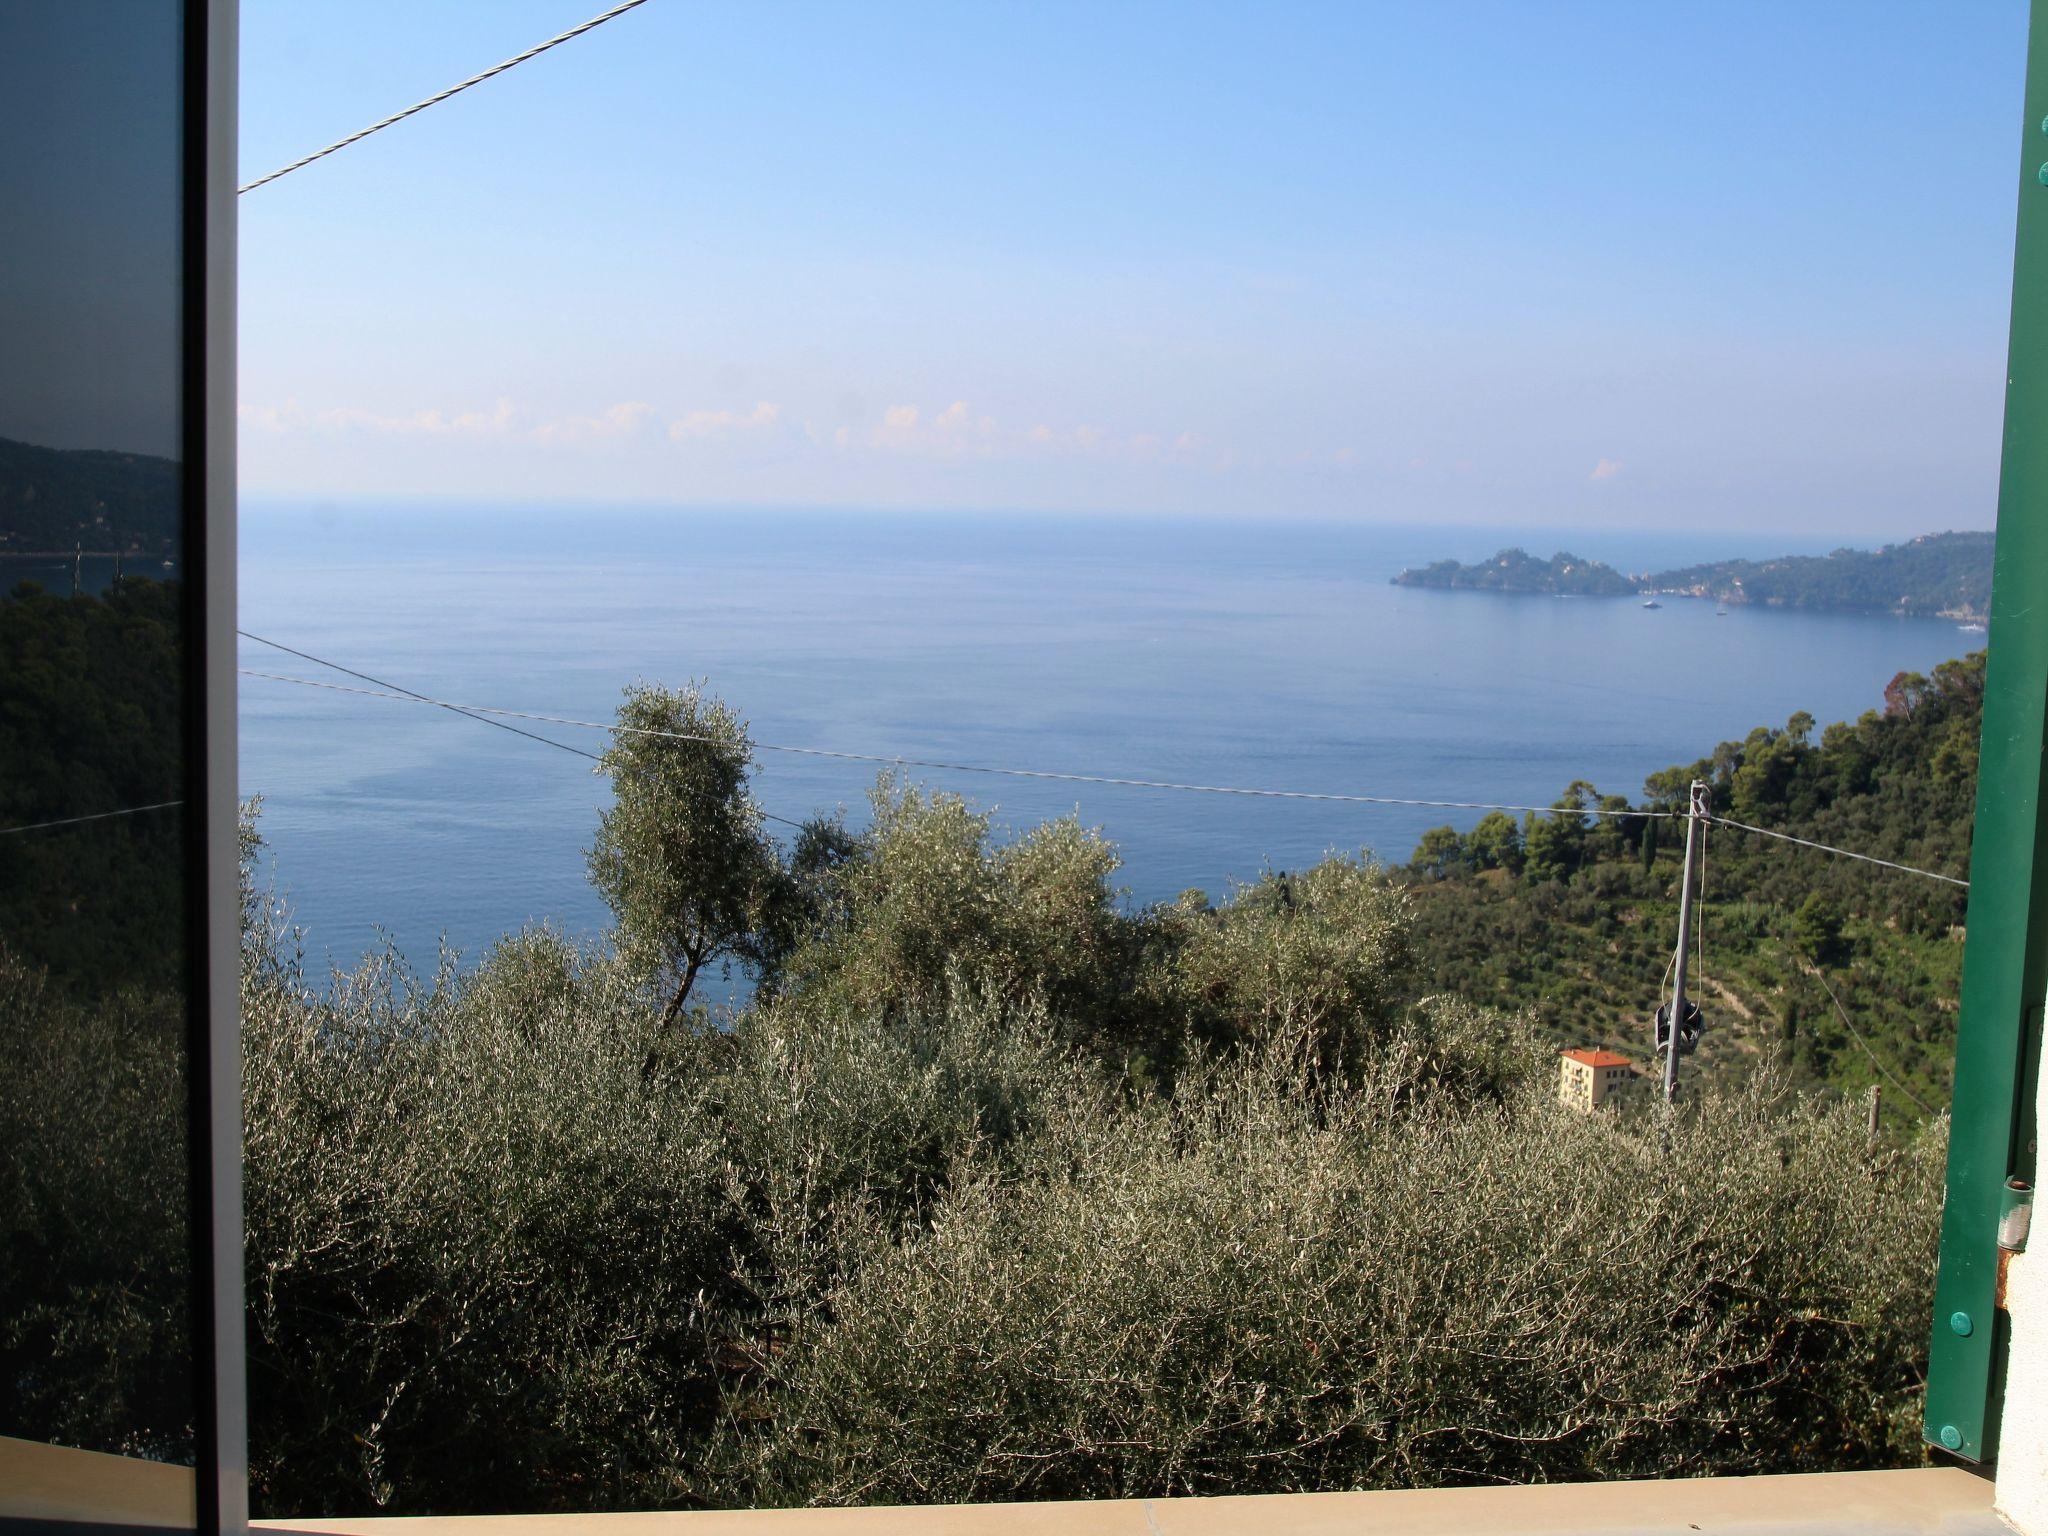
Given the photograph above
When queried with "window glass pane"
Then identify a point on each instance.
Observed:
(95, 1242)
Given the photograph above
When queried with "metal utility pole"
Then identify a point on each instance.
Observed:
(1695, 808)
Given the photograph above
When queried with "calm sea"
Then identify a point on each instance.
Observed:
(1248, 653)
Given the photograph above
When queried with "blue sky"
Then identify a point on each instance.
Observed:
(1630, 266)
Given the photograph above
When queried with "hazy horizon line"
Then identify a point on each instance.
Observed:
(263, 502)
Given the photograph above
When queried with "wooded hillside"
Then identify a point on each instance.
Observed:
(1936, 574)
(1574, 917)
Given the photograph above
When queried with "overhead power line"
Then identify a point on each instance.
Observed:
(72, 821)
(894, 760)
(1787, 837)
(485, 712)
(481, 719)
(321, 661)
(1857, 1035)
(441, 96)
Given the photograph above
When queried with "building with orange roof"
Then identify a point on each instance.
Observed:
(1588, 1077)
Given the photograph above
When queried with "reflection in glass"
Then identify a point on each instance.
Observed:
(95, 1241)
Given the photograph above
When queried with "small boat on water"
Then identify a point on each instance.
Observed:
(1971, 629)
(1721, 612)
(1651, 602)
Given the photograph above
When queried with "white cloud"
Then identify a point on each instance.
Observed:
(274, 419)
(621, 420)
(500, 421)
(954, 431)
(958, 432)
(902, 445)
(1606, 469)
(704, 424)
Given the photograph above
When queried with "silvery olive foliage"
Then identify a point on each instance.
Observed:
(935, 900)
(1314, 965)
(680, 856)
(1008, 1189)
(95, 1263)
(1238, 1288)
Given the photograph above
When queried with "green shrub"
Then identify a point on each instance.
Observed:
(484, 1245)
(1315, 964)
(506, 1253)
(1244, 1289)
(95, 1259)
(1000, 1190)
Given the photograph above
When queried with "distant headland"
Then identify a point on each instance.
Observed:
(54, 499)
(1938, 575)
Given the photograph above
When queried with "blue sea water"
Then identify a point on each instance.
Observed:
(1243, 653)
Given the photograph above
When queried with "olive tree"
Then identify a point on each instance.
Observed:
(931, 901)
(1314, 962)
(680, 856)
